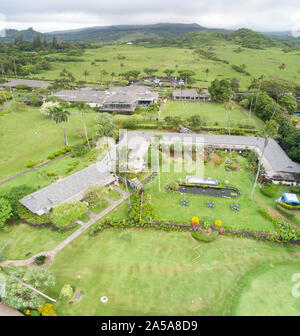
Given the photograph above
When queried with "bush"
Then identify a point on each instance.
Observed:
(218, 223)
(31, 164)
(40, 260)
(47, 310)
(268, 216)
(66, 292)
(65, 213)
(205, 238)
(13, 196)
(62, 151)
(269, 190)
(5, 211)
(93, 194)
(80, 150)
(30, 217)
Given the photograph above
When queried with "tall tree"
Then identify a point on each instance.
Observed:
(85, 74)
(61, 116)
(270, 131)
(150, 71)
(169, 73)
(206, 72)
(82, 106)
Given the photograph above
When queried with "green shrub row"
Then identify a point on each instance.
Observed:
(286, 230)
(62, 151)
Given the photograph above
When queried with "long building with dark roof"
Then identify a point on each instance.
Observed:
(115, 99)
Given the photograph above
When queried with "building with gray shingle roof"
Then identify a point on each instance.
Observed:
(92, 97)
(115, 99)
(68, 189)
(31, 83)
(278, 166)
(191, 95)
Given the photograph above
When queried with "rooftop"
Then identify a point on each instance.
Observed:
(275, 159)
(28, 82)
(185, 93)
(113, 95)
(62, 190)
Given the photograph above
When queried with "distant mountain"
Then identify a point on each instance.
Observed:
(128, 33)
(113, 33)
(11, 34)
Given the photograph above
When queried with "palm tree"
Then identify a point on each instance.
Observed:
(85, 74)
(206, 72)
(60, 116)
(157, 139)
(270, 131)
(82, 106)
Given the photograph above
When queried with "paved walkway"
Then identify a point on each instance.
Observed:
(5, 310)
(52, 253)
(34, 168)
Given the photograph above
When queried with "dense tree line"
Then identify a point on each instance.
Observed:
(22, 58)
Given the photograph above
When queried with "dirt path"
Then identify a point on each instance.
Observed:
(52, 253)
(276, 214)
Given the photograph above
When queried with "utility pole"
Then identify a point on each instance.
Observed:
(251, 108)
(256, 99)
(141, 206)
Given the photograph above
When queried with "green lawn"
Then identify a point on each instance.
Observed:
(258, 62)
(99, 207)
(269, 286)
(168, 206)
(114, 195)
(154, 275)
(213, 113)
(22, 239)
(29, 136)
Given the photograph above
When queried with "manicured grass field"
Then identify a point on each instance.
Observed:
(270, 286)
(213, 113)
(154, 275)
(22, 239)
(29, 136)
(258, 62)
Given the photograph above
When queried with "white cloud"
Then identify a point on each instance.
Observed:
(69, 14)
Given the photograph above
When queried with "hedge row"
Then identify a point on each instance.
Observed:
(60, 152)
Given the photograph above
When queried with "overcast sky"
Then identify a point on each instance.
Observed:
(51, 15)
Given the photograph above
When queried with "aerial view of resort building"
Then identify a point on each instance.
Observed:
(149, 170)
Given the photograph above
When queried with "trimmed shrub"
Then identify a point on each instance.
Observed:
(66, 292)
(205, 238)
(269, 190)
(40, 260)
